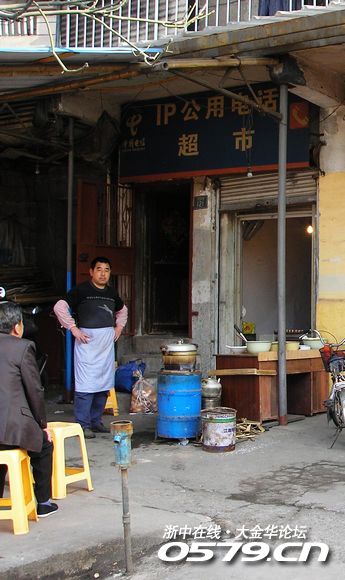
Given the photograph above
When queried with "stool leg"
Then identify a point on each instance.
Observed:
(58, 476)
(111, 402)
(85, 462)
(30, 499)
(113, 398)
(18, 507)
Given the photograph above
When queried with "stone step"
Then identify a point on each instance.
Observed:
(153, 361)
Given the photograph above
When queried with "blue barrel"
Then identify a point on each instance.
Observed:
(179, 404)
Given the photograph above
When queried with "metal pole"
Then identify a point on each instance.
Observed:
(255, 105)
(281, 267)
(126, 520)
(68, 371)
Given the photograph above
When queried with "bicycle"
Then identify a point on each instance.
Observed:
(334, 363)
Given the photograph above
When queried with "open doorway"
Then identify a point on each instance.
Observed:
(166, 271)
(258, 273)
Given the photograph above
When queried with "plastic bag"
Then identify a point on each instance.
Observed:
(127, 374)
(144, 397)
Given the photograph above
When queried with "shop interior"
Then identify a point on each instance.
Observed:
(258, 258)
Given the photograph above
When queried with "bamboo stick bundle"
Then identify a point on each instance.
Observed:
(246, 429)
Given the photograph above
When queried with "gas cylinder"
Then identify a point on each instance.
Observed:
(211, 391)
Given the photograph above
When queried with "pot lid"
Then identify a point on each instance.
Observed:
(179, 346)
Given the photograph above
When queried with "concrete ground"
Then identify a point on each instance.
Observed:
(287, 476)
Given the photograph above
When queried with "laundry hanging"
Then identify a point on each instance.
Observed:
(270, 7)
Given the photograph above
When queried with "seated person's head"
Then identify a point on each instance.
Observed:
(11, 319)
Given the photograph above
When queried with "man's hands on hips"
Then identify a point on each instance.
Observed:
(79, 335)
(82, 337)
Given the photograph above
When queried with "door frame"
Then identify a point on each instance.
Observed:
(88, 246)
(305, 212)
(142, 273)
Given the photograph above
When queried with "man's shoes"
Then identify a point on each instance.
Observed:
(88, 433)
(45, 510)
(100, 429)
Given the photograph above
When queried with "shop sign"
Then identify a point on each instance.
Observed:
(208, 133)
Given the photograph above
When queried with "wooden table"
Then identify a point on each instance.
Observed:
(250, 385)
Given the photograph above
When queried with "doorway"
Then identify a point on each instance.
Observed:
(167, 262)
(257, 268)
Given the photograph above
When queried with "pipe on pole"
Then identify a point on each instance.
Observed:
(281, 265)
(257, 106)
(213, 63)
(70, 178)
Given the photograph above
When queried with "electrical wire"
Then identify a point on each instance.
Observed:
(334, 111)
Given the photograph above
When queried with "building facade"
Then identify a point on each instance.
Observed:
(178, 183)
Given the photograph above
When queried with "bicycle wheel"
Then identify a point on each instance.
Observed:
(337, 409)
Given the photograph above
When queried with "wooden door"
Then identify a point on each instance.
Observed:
(168, 258)
(104, 228)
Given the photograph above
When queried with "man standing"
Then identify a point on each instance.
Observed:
(100, 316)
(23, 421)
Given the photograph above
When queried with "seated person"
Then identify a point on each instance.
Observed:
(23, 421)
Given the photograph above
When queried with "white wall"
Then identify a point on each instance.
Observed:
(259, 276)
(204, 282)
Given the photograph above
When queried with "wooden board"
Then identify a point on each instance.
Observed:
(253, 389)
(270, 355)
(251, 371)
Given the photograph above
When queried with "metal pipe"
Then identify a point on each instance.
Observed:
(281, 267)
(70, 179)
(214, 63)
(226, 93)
(43, 90)
(126, 520)
(52, 69)
(217, 266)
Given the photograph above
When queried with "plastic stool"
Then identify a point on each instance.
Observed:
(112, 402)
(62, 475)
(21, 503)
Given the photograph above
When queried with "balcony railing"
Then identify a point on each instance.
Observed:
(24, 27)
(137, 20)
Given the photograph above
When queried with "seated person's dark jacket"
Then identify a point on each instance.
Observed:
(22, 411)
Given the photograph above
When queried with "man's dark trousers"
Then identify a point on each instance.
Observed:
(89, 408)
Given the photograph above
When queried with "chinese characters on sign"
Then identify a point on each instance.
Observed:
(188, 144)
(214, 531)
(209, 133)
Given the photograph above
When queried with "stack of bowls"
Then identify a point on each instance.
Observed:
(314, 343)
(256, 346)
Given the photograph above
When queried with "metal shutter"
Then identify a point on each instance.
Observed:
(242, 192)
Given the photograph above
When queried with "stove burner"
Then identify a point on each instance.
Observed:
(180, 367)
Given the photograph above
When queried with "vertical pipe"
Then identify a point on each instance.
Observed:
(281, 267)
(216, 190)
(126, 520)
(69, 253)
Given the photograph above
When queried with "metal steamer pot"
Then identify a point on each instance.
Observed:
(179, 355)
(211, 387)
(211, 391)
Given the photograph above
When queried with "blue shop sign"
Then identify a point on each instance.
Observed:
(208, 133)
